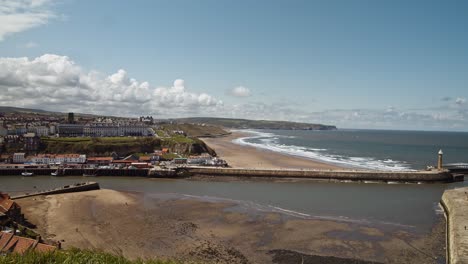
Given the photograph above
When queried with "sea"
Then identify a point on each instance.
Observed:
(364, 149)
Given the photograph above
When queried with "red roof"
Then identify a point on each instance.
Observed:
(6, 203)
(44, 248)
(100, 158)
(124, 161)
(17, 244)
(145, 158)
(23, 244)
(4, 239)
(11, 244)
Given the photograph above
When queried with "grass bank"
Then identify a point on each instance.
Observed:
(75, 256)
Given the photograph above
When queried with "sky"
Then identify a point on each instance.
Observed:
(353, 64)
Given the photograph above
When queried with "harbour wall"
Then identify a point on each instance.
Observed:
(78, 172)
(354, 175)
(407, 176)
(79, 187)
(455, 204)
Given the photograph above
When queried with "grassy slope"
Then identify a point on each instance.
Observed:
(122, 145)
(254, 124)
(194, 130)
(74, 256)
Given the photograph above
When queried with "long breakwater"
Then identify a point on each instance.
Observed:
(187, 171)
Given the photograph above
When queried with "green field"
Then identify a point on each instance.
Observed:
(193, 130)
(75, 256)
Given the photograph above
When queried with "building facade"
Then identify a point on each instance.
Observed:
(115, 130)
(19, 157)
(59, 159)
(70, 130)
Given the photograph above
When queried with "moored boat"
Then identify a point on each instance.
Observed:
(27, 173)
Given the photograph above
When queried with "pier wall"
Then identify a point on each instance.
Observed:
(416, 176)
(455, 204)
(80, 187)
(78, 172)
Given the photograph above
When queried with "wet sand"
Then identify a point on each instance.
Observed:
(139, 225)
(250, 157)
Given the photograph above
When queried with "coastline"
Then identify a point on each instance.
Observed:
(239, 156)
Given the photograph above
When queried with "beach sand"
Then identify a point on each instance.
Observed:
(139, 225)
(251, 157)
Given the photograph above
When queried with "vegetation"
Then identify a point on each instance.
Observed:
(254, 124)
(193, 130)
(74, 256)
(123, 146)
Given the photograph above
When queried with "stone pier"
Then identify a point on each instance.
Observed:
(455, 204)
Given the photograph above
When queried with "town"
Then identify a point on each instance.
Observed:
(32, 140)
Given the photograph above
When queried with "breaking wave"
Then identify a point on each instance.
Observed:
(270, 141)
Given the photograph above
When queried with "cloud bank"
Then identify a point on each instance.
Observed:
(240, 91)
(55, 82)
(20, 15)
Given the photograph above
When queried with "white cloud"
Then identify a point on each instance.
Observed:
(20, 15)
(460, 101)
(240, 91)
(55, 82)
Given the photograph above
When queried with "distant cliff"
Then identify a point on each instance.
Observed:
(254, 124)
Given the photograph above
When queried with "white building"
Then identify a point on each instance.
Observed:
(59, 159)
(41, 131)
(52, 129)
(19, 157)
(116, 130)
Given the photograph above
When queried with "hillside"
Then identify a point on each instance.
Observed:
(193, 130)
(254, 124)
(206, 126)
(123, 145)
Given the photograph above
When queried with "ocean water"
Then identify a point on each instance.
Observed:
(367, 149)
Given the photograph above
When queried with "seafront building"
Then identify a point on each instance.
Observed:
(19, 157)
(115, 130)
(104, 130)
(59, 159)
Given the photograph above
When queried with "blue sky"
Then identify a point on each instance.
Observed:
(358, 64)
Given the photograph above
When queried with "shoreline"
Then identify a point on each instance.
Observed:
(241, 156)
(186, 228)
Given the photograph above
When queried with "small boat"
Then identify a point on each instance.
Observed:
(27, 173)
(54, 173)
(89, 175)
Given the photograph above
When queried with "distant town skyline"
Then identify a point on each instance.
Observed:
(353, 64)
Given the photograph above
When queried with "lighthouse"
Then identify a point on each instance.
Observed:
(439, 161)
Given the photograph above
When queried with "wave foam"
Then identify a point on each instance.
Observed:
(270, 141)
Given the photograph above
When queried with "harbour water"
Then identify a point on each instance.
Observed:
(368, 149)
(410, 206)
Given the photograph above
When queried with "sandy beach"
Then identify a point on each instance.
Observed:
(250, 157)
(140, 225)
